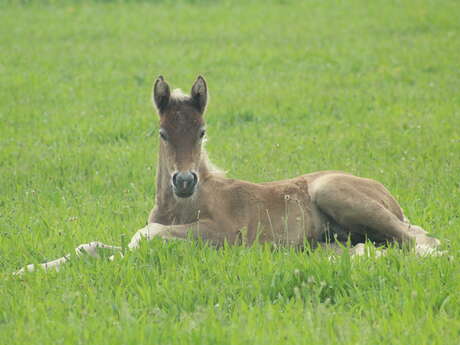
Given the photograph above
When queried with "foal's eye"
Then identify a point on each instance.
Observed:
(202, 133)
(163, 135)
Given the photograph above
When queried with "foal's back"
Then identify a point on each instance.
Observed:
(286, 211)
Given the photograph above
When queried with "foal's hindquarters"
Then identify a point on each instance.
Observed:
(355, 208)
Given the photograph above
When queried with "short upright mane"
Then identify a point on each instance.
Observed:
(179, 95)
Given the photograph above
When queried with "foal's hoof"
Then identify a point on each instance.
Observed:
(424, 250)
(422, 238)
(20, 272)
(28, 268)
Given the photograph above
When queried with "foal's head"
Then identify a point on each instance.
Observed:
(182, 131)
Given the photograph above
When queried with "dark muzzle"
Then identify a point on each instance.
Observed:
(184, 183)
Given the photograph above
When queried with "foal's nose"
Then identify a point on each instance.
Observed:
(184, 183)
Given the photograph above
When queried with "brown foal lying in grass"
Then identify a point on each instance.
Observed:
(196, 200)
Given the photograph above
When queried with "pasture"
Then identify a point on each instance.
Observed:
(372, 88)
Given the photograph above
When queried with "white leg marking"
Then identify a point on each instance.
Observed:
(92, 249)
(54, 264)
(148, 232)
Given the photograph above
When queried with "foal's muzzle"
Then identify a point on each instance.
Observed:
(184, 183)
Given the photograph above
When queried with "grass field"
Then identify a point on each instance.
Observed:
(369, 87)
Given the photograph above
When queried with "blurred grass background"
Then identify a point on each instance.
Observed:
(372, 88)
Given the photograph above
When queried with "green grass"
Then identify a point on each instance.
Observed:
(369, 87)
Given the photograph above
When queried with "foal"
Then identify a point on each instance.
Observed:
(194, 199)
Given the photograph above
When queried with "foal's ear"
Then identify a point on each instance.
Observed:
(161, 94)
(199, 93)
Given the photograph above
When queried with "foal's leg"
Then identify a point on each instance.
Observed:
(93, 249)
(207, 230)
(203, 229)
(352, 207)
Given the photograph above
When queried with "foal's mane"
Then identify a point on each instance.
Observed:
(179, 96)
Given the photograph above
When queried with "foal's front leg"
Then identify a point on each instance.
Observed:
(93, 249)
(148, 232)
(203, 229)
